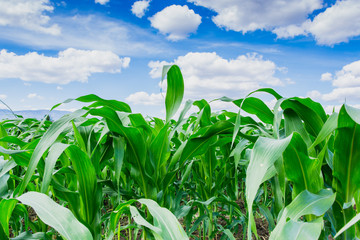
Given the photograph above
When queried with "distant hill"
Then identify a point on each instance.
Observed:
(38, 114)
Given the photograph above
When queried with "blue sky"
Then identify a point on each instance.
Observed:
(52, 50)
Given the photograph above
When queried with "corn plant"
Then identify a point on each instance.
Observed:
(104, 172)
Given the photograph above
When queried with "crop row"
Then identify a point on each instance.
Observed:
(103, 172)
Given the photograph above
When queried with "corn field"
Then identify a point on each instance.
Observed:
(103, 172)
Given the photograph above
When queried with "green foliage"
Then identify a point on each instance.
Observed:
(103, 172)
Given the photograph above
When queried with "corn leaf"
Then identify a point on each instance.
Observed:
(56, 216)
(304, 204)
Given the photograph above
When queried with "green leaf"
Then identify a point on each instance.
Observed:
(309, 111)
(305, 203)
(56, 216)
(54, 153)
(119, 151)
(264, 154)
(346, 159)
(165, 225)
(304, 172)
(6, 208)
(175, 90)
(256, 106)
(51, 135)
(198, 144)
(87, 180)
(348, 225)
(328, 128)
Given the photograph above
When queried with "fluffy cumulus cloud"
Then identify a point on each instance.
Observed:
(106, 34)
(248, 15)
(176, 21)
(145, 98)
(337, 23)
(34, 96)
(208, 75)
(102, 2)
(346, 83)
(140, 7)
(70, 65)
(30, 15)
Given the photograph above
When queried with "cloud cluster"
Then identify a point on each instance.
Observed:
(140, 7)
(70, 65)
(35, 96)
(248, 15)
(28, 15)
(346, 83)
(146, 99)
(92, 32)
(338, 23)
(176, 22)
(102, 2)
(208, 75)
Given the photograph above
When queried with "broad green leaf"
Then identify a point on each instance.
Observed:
(54, 153)
(160, 152)
(51, 135)
(256, 106)
(348, 225)
(119, 151)
(165, 225)
(301, 230)
(304, 172)
(56, 216)
(346, 159)
(309, 111)
(264, 154)
(6, 208)
(198, 145)
(328, 128)
(305, 203)
(293, 123)
(87, 180)
(118, 212)
(174, 91)
(346, 167)
(136, 148)
(7, 166)
(113, 104)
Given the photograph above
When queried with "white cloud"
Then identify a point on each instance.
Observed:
(140, 7)
(28, 14)
(146, 99)
(248, 15)
(176, 21)
(209, 71)
(346, 83)
(208, 75)
(337, 23)
(59, 88)
(35, 96)
(102, 2)
(314, 94)
(3, 96)
(326, 77)
(70, 65)
(92, 32)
